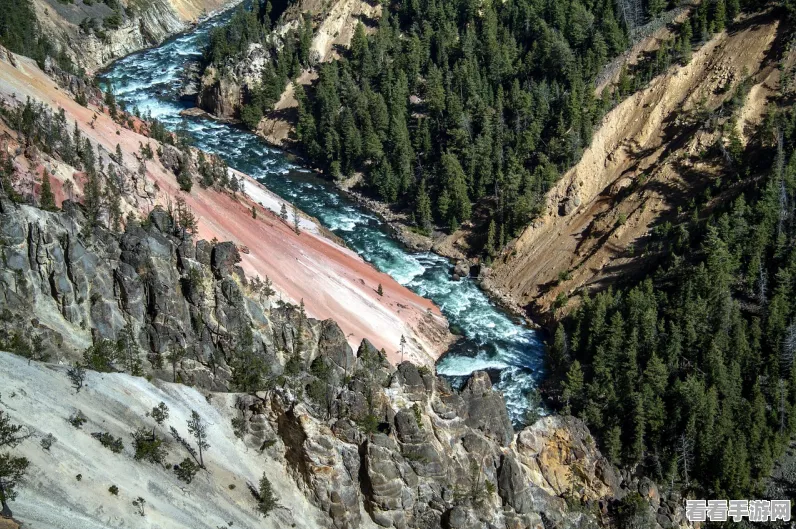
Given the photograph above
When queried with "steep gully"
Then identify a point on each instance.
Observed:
(492, 340)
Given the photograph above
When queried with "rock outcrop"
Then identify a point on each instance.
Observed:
(64, 292)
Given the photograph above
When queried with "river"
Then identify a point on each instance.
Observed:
(492, 339)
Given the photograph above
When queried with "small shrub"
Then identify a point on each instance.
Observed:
(160, 413)
(114, 490)
(139, 504)
(77, 419)
(239, 427)
(148, 447)
(561, 300)
(418, 415)
(369, 424)
(101, 356)
(490, 487)
(186, 470)
(77, 376)
(114, 444)
(48, 441)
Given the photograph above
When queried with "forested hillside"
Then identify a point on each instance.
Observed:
(690, 374)
(288, 53)
(451, 103)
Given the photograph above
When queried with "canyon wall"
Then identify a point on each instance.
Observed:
(222, 88)
(142, 23)
(643, 162)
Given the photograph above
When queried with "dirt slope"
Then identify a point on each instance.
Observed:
(637, 169)
(333, 281)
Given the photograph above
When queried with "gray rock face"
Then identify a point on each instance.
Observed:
(486, 410)
(174, 295)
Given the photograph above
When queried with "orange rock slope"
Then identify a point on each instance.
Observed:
(333, 281)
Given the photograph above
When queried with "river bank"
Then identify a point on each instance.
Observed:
(399, 225)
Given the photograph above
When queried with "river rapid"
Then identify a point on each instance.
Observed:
(491, 339)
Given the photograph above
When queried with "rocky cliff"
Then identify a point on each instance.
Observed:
(388, 448)
(95, 33)
(332, 280)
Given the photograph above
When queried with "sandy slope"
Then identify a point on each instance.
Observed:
(333, 281)
(637, 169)
(52, 498)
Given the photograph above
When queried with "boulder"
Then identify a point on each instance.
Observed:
(486, 409)
(223, 258)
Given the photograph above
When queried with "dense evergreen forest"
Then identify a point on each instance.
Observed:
(691, 374)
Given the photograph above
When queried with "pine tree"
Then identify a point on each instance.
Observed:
(296, 220)
(47, 198)
(573, 387)
(267, 501)
(380, 290)
(198, 430)
(423, 208)
(12, 469)
(283, 212)
(489, 247)
(720, 15)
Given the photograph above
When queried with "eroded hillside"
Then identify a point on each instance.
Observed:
(643, 162)
(332, 280)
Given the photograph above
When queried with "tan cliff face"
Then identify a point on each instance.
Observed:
(149, 23)
(334, 282)
(642, 163)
